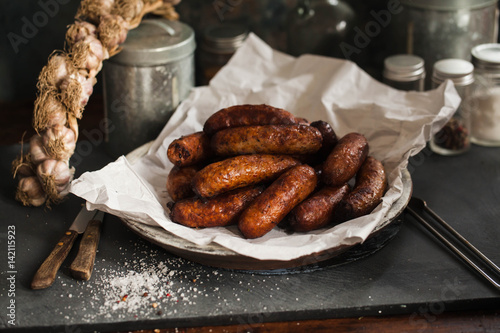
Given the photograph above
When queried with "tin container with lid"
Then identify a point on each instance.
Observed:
(404, 72)
(144, 83)
(485, 118)
(454, 137)
(219, 43)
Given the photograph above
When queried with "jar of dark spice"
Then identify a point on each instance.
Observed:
(219, 43)
(404, 72)
(454, 137)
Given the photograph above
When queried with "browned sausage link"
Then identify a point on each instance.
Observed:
(269, 208)
(179, 181)
(370, 186)
(247, 115)
(267, 139)
(218, 211)
(240, 171)
(317, 211)
(329, 137)
(189, 149)
(345, 159)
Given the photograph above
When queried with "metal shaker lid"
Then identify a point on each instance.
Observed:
(155, 42)
(224, 38)
(458, 70)
(404, 68)
(487, 57)
(448, 4)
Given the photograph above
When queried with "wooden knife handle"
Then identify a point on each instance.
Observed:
(82, 266)
(46, 274)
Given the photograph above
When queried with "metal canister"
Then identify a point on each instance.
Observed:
(454, 137)
(404, 72)
(145, 82)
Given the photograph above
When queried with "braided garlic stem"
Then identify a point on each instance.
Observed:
(65, 85)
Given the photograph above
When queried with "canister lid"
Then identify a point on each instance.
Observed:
(224, 38)
(458, 70)
(486, 56)
(449, 4)
(156, 41)
(404, 67)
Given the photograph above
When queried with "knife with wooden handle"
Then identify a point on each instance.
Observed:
(46, 274)
(83, 264)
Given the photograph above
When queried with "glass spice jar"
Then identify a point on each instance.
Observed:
(485, 118)
(219, 43)
(404, 72)
(454, 137)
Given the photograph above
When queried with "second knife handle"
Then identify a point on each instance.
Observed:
(83, 264)
(46, 274)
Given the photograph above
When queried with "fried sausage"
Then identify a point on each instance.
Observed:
(218, 211)
(179, 181)
(345, 159)
(269, 208)
(189, 149)
(247, 115)
(317, 211)
(240, 171)
(370, 186)
(267, 139)
(329, 137)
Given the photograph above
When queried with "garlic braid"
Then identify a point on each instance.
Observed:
(65, 85)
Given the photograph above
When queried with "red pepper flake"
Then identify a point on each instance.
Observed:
(168, 295)
(145, 295)
(124, 298)
(117, 301)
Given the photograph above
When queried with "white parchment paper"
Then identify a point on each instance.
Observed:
(397, 125)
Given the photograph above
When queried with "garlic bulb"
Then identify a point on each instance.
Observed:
(30, 192)
(49, 112)
(59, 144)
(38, 152)
(55, 177)
(78, 31)
(23, 167)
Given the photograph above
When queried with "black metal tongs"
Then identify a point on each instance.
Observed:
(418, 205)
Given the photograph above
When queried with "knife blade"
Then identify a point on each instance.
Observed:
(46, 274)
(83, 264)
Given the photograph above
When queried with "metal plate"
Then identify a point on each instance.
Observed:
(218, 256)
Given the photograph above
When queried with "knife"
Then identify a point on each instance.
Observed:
(46, 274)
(83, 264)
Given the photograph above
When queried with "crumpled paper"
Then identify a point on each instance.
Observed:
(397, 125)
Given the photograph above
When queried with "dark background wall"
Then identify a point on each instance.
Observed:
(31, 29)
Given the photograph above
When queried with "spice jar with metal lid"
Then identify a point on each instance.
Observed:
(454, 137)
(219, 43)
(145, 82)
(485, 118)
(404, 72)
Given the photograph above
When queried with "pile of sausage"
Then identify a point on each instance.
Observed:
(258, 166)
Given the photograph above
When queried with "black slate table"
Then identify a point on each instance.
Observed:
(137, 285)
